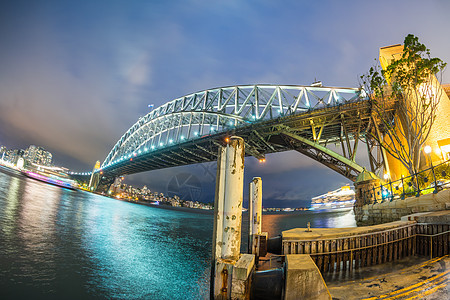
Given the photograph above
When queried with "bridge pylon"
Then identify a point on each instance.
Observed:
(96, 176)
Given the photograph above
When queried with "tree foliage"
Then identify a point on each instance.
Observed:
(404, 100)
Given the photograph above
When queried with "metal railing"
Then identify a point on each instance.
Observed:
(427, 181)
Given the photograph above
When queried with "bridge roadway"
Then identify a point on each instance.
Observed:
(269, 118)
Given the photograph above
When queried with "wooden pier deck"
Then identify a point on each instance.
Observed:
(345, 249)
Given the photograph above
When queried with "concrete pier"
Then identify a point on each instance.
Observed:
(255, 205)
(342, 249)
(230, 270)
(257, 239)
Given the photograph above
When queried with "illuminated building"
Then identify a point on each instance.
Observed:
(439, 137)
(2, 150)
(38, 155)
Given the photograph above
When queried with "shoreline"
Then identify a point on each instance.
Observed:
(162, 206)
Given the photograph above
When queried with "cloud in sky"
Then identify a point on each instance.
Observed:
(75, 75)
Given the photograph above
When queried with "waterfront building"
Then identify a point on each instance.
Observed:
(2, 150)
(38, 155)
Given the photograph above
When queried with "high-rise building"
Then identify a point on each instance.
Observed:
(2, 151)
(38, 155)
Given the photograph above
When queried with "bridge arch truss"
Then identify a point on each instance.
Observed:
(222, 109)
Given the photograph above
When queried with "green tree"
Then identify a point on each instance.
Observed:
(404, 100)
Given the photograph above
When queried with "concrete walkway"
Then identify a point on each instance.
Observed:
(428, 279)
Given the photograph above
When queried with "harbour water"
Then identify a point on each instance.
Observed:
(62, 244)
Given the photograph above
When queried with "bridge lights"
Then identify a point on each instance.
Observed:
(427, 149)
(196, 133)
(146, 149)
(386, 176)
(161, 144)
(262, 160)
(182, 138)
(153, 147)
(170, 141)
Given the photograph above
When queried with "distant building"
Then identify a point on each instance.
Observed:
(38, 155)
(2, 150)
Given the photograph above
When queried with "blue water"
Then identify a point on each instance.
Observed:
(61, 244)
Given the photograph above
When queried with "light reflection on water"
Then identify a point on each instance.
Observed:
(58, 243)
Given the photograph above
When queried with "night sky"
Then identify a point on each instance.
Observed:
(75, 75)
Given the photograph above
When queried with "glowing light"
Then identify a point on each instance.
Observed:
(445, 148)
(262, 160)
(386, 176)
(146, 149)
(170, 141)
(153, 147)
(182, 137)
(427, 149)
(161, 144)
(196, 133)
(227, 139)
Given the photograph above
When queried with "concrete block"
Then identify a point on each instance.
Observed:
(242, 275)
(243, 267)
(303, 279)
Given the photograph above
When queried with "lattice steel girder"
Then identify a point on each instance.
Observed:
(221, 110)
(263, 137)
(331, 159)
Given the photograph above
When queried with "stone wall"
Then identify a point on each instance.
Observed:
(378, 213)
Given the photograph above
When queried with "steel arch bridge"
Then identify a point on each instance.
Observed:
(270, 118)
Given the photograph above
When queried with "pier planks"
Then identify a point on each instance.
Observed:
(343, 250)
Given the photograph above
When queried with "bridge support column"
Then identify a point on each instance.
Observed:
(257, 239)
(227, 224)
(95, 177)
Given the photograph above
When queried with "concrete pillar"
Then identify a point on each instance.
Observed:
(255, 218)
(255, 205)
(227, 216)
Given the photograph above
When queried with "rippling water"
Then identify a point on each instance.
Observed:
(63, 244)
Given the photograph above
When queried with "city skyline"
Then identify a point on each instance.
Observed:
(76, 76)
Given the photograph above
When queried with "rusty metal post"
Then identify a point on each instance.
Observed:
(255, 213)
(227, 215)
